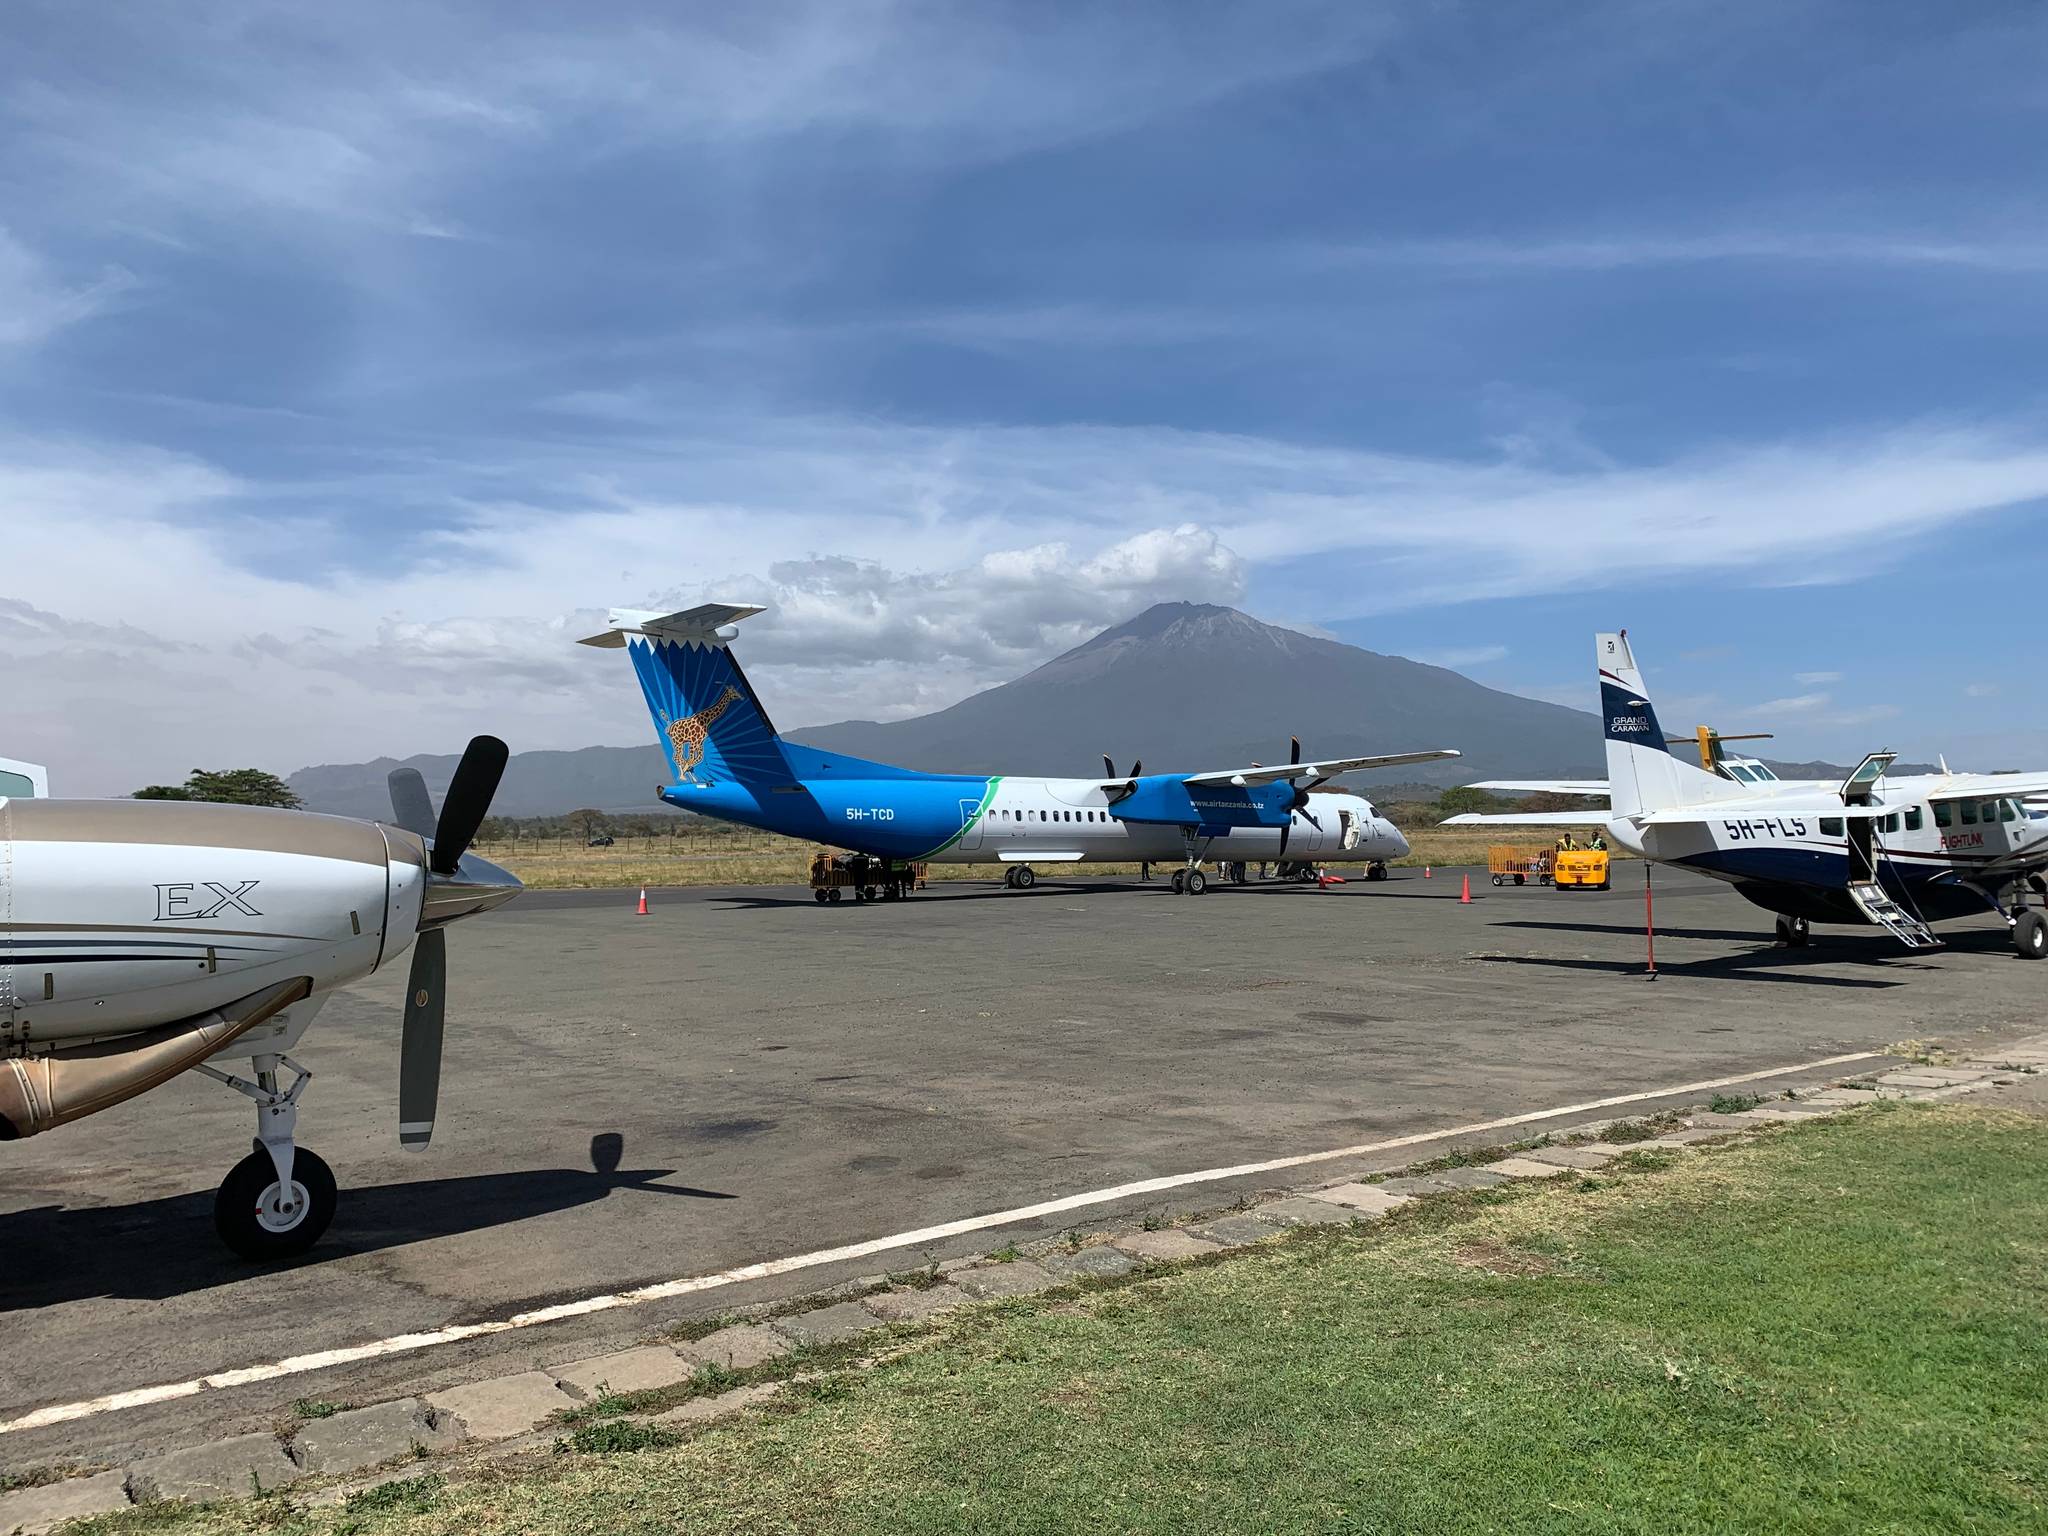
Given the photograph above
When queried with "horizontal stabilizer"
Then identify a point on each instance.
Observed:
(707, 624)
(1327, 768)
(1531, 819)
(1546, 786)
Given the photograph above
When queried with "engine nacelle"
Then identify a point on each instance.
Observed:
(118, 916)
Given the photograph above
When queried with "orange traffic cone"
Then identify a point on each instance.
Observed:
(1425, 871)
(643, 902)
(1465, 891)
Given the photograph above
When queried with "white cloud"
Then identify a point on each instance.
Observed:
(1798, 704)
(372, 114)
(35, 304)
(1816, 677)
(1818, 247)
(1981, 690)
(982, 553)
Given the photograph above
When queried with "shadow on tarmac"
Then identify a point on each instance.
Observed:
(1754, 967)
(155, 1249)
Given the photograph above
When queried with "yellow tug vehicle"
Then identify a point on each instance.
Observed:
(1583, 869)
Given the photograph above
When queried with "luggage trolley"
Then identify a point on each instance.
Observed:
(1518, 864)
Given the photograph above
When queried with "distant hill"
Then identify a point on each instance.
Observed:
(535, 783)
(1183, 686)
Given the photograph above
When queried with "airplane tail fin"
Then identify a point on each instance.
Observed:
(707, 717)
(1642, 775)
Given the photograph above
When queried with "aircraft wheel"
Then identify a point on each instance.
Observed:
(1180, 881)
(2030, 936)
(1197, 882)
(1794, 932)
(255, 1220)
(1025, 878)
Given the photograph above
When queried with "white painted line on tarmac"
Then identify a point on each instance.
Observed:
(406, 1343)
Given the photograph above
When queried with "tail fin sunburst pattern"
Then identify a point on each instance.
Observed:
(710, 724)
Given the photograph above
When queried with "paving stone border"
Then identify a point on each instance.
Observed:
(517, 1414)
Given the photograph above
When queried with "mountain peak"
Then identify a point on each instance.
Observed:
(1180, 624)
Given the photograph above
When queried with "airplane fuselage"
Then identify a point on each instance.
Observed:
(961, 819)
(1795, 851)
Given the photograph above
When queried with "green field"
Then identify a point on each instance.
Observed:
(1840, 1327)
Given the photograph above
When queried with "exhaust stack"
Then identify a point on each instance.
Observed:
(37, 1092)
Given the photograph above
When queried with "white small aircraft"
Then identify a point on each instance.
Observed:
(1897, 853)
(140, 939)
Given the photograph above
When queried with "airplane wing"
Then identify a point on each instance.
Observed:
(1327, 768)
(1546, 786)
(1531, 819)
(1989, 786)
(699, 623)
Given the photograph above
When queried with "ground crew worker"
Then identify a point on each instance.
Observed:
(1566, 845)
(1599, 843)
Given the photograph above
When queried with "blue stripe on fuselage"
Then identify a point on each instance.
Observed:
(903, 817)
(1812, 882)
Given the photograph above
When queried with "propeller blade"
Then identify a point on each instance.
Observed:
(1108, 767)
(1293, 750)
(419, 1049)
(1137, 767)
(410, 807)
(468, 801)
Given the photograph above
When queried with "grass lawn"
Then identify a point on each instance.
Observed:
(1840, 1327)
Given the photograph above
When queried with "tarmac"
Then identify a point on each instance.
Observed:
(744, 1075)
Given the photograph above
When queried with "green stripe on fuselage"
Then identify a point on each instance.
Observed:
(988, 794)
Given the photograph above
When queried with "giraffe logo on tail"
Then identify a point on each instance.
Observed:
(687, 734)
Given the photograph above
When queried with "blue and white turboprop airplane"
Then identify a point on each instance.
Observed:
(1897, 853)
(726, 760)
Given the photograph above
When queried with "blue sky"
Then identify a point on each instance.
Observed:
(352, 359)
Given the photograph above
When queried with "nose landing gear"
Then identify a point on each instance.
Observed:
(278, 1201)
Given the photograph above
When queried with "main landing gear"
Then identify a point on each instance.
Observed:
(1189, 880)
(1794, 933)
(278, 1201)
(2029, 926)
(1018, 877)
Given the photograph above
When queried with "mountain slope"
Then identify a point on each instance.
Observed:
(1192, 686)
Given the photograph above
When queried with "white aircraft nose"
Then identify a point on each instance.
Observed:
(1393, 835)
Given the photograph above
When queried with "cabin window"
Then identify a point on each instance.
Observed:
(1889, 824)
(1969, 810)
(1943, 816)
(2005, 810)
(1764, 775)
(1739, 773)
(1831, 826)
(1914, 820)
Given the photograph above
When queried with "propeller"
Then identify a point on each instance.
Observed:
(410, 807)
(1130, 787)
(419, 1048)
(1300, 800)
(468, 801)
(458, 884)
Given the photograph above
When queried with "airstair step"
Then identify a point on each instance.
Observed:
(1876, 904)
